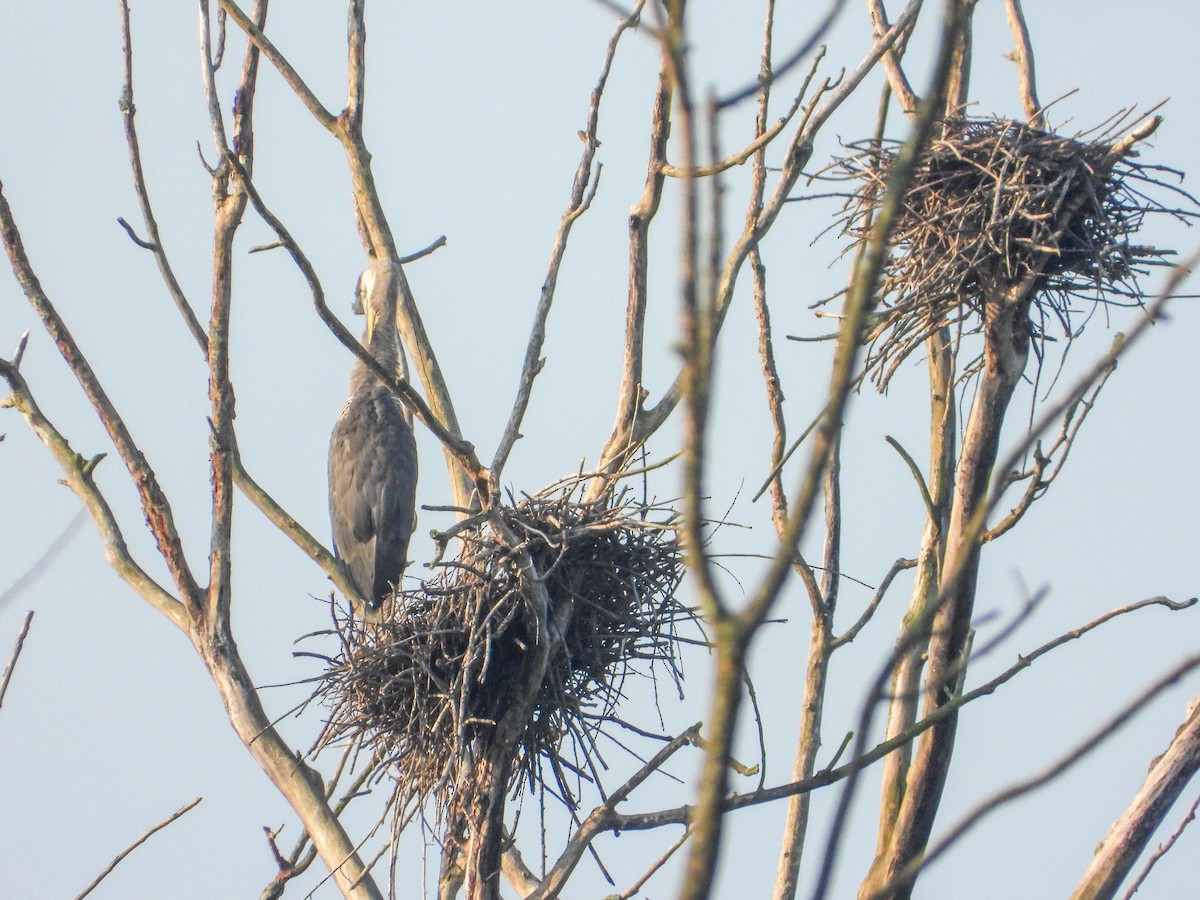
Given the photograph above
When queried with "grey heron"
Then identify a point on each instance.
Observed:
(373, 457)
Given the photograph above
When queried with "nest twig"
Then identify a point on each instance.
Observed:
(420, 689)
(997, 204)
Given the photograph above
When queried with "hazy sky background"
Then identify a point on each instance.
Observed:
(111, 722)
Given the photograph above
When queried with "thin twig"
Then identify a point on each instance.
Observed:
(16, 653)
(791, 60)
(851, 633)
(600, 819)
(1162, 850)
(43, 562)
(145, 837)
(423, 252)
(1039, 479)
(583, 189)
(154, 239)
(930, 508)
(657, 864)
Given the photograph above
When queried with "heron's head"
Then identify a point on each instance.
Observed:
(373, 297)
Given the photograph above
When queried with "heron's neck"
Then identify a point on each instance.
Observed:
(384, 345)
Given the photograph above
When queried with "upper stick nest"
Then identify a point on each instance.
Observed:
(997, 206)
(423, 688)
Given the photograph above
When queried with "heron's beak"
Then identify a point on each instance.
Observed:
(370, 321)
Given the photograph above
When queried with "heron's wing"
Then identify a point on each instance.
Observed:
(396, 501)
(372, 493)
(349, 500)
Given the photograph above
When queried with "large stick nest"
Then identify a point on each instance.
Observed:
(424, 690)
(1000, 208)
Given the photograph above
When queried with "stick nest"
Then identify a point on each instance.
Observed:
(1000, 209)
(424, 690)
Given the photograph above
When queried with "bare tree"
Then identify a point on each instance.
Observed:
(973, 241)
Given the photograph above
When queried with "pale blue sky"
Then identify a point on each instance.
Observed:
(111, 723)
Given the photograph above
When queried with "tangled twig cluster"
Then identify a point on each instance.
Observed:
(997, 207)
(421, 689)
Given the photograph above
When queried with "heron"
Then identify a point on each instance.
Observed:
(373, 457)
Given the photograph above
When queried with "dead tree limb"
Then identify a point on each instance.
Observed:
(1169, 775)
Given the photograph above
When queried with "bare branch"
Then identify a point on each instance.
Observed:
(303, 855)
(1038, 477)
(891, 61)
(1022, 55)
(1122, 147)
(1169, 774)
(796, 156)
(154, 242)
(145, 837)
(632, 394)
(418, 254)
(909, 657)
(145, 245)
(765, 136)
(852, 632)
(77, 472)
(634, 888)
(356, 40)
(849, 83)
(926, 497)
(277, 59)
(229, 204)
(519, 875)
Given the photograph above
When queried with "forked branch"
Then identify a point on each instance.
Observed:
(155, 506)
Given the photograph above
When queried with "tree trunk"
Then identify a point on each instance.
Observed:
(1007, 337)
